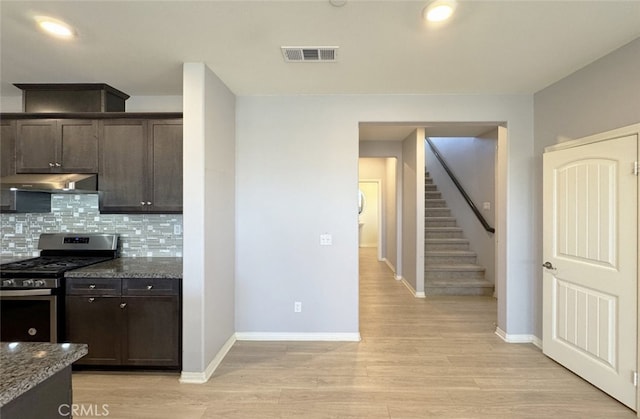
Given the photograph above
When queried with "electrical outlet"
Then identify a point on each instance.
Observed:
(297, 307)
(326, 239)
(19, 228)
(177, 229)
(486, 206)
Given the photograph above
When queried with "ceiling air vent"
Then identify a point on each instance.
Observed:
(310, 54)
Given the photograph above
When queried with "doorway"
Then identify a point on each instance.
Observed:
(378, 222)
(369, 220)
(384, 139)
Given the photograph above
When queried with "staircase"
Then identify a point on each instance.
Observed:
(450, 267)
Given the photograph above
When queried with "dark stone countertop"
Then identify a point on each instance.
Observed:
(10, 259)
(24, 365)
(170, 268)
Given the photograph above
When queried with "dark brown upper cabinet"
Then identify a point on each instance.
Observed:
(140, 165)
(7, 147)
(57, 146)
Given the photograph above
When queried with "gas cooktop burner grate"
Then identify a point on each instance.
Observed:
(47, 264)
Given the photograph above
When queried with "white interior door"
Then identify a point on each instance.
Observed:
(591, 252)
(369, 219)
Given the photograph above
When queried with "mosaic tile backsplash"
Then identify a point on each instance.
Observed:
(141, 235)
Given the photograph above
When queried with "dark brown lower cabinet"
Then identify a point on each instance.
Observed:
(132, 322)
(152, 332)
(96, 321)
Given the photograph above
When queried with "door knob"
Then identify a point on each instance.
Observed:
(123, 305)
(548, 265)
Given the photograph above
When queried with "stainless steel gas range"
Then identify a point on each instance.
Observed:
(32, 290)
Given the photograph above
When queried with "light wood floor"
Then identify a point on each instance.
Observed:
(418, 358)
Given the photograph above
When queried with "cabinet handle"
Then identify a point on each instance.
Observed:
(143, 203)
(51, 164)
(149, 287)
(123, 305)
(92, 286)
(148, 202)
(58, 165)
(91, 300)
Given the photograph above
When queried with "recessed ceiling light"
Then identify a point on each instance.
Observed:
(55, 27)
(439, 10)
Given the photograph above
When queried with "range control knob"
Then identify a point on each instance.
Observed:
(8, 282)
(27, 283)
(39, 283)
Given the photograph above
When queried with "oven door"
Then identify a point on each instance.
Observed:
(28, 316)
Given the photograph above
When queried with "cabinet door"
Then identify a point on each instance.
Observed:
(123, 178)
(153, 331)
(166, 165)
(36, 142)
(7, 148)
(78, 146)
(98, 322)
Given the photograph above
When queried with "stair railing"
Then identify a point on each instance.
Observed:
(455, 181)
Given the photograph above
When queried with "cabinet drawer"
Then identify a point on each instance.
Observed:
(93, 286)
(151, 286)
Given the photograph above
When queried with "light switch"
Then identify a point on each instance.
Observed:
(326, 239)
(486, 206)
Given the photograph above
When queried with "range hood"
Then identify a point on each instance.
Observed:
(32, 192)
(51, 183)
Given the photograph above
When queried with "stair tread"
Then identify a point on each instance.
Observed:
(459, 284)
(453, 252)
(462, 267)
(446, 240)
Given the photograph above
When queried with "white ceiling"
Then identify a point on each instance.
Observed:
(490, 47)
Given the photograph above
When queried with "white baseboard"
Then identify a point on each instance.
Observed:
(393, 268)
(411, 289)
(268, 336)
(512, 338)
(203, 377)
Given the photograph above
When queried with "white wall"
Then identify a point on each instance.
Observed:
(133, 104)
(373, 169)
(154, 104)
(209, 221)
(600, 97)
(297, 167)
(472, 160)
(413, 211)
(371, 218)
(11, 104)
(390, 254)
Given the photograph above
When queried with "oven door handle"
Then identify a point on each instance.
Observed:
(24, 293)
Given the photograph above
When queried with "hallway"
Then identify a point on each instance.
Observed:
(418, 358)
